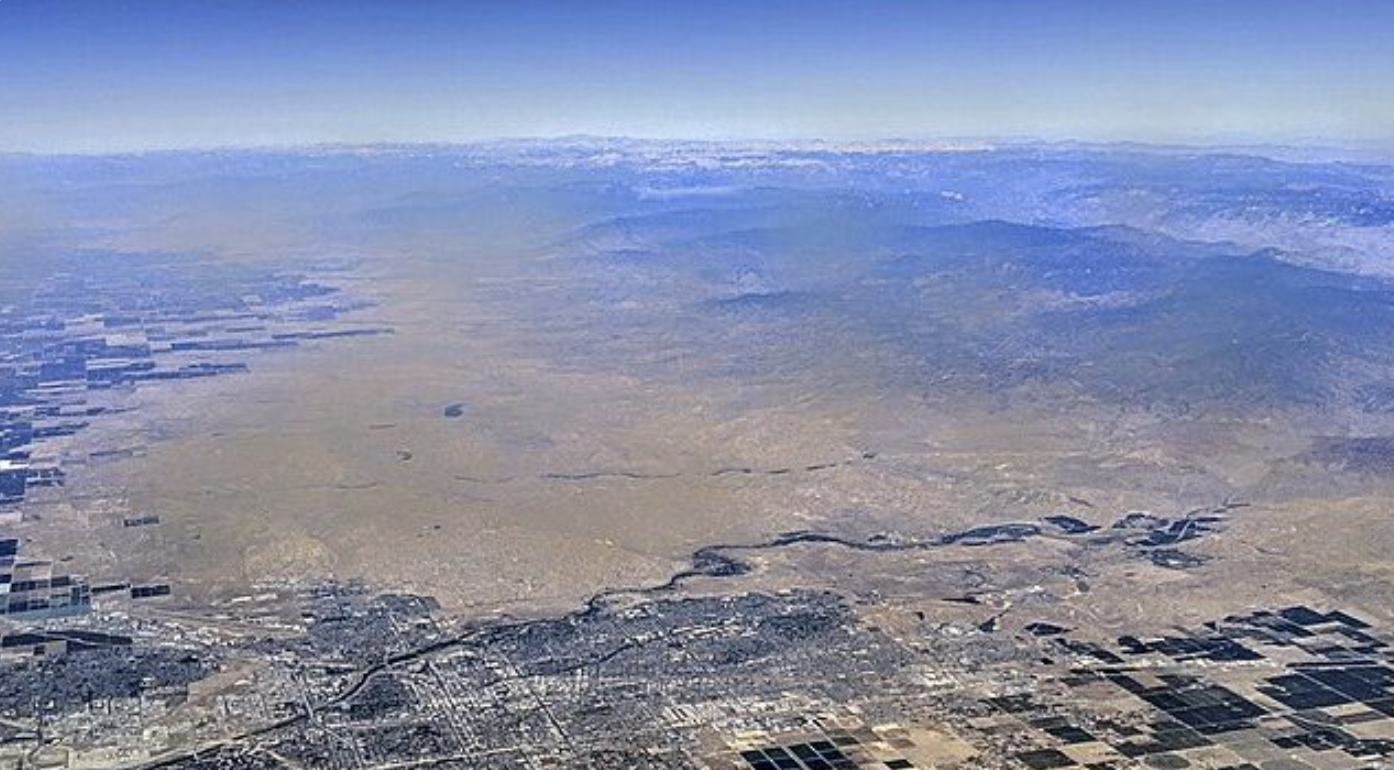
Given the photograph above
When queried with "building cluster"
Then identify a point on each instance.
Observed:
(786, 681)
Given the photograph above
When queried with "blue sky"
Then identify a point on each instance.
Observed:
(125, 74)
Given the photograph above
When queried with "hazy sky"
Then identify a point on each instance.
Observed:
(116, 74)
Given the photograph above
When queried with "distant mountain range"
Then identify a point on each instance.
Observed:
(1170, 277)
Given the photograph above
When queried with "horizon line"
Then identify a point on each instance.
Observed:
(913, 144)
